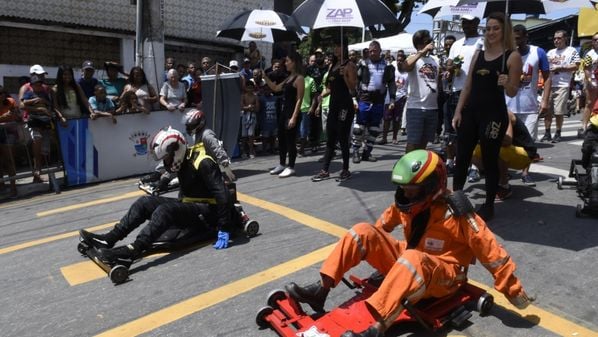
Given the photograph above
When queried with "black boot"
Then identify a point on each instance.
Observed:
(98, 240)
(125, 255)
(486, 212)
(313, 294)
(370, 332)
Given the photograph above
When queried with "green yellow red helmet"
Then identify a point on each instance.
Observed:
(421, 171)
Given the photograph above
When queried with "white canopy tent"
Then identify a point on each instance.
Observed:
(394, 43)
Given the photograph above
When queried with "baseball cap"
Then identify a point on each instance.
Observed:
(469, 17)
(87, 65)
(37, 69)
(319, 50)
(246, 60)
(233, 63)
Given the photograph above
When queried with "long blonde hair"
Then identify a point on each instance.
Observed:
(507, 30)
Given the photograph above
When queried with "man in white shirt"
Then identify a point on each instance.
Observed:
(461, 53)
(563, 61)
(590, 82)
(422, 100)
(525, 104)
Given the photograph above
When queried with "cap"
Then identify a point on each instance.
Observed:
(233, 63)
(319, 50)
(469, 17)
(112, 64)
(246, 60)
(35, 78)
(87, 65)
(37, 69)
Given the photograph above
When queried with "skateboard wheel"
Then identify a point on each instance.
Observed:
(260, 318)
(118, 274)
(252, 228)
(485, 303)
(274, 296)
(559, 183)
(82, 248)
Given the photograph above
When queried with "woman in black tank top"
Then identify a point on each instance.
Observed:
(292, 88)
(481, 114)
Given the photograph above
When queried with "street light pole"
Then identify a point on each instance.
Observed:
(139, 34)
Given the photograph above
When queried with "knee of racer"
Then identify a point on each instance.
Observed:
(411, 256)
(363, 229)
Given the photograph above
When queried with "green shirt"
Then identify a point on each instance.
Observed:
(308, 95)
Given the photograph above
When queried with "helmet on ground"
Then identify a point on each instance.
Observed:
(194, 120)
(421, 178)
(169, 145)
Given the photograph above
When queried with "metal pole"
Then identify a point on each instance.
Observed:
(139, 34)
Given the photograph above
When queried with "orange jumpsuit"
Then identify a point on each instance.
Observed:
(436, 268)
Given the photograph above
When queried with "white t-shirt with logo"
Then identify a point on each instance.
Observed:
(465, 48)
(526, 100)
(593, 56)
(559, 58)
(423, 85)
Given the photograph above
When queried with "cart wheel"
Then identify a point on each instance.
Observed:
(485, 303)
(260, 318)
(118, 274)
(82, 248)
(274, 296)
(579, 211)
(252, 228)
(559, 183)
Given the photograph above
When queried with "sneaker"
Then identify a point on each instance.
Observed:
(486, 212)
(546, 138)
(277, 170)
(473, 175)
(356, 158)
(369, 157)
(287, 172)
(382, 141)
(557, 138)
(345, 175)
(95, 240)
(322, 175)
(504, 193)
(120, 255)
(314, 294)
(528, 181)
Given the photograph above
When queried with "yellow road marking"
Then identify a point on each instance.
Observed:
(51, 239)
(197, 303)
(91, 203)
(542, 318)
(307, 220)
(87, 271)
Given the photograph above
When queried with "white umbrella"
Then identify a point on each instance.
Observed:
(403, 41)
(317, 14)
(483, 8)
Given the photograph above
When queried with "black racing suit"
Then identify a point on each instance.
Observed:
(484, 119)
(202, 193)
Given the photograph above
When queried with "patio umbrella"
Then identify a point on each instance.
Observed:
(261, 25)
(317, 14)
(460, 7)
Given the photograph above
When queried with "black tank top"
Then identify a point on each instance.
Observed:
(340, 97)
(289, 98)
(485, 93)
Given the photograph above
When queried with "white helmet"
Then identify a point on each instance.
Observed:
(170, 146)
(194, 120)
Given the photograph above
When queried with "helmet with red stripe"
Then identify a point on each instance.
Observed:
(421, 178)
(169, 145)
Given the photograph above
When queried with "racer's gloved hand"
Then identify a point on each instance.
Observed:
(229, 173)
(222, 242)
(522, 300)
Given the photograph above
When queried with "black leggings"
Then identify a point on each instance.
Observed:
(489, 130)
(338, 131)
(162, 213)
(287, 142)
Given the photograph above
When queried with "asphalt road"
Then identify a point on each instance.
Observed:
(49, 289)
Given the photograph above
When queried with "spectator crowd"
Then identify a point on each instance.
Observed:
(480, 98)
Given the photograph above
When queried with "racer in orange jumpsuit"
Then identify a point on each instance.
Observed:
(435, 265)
